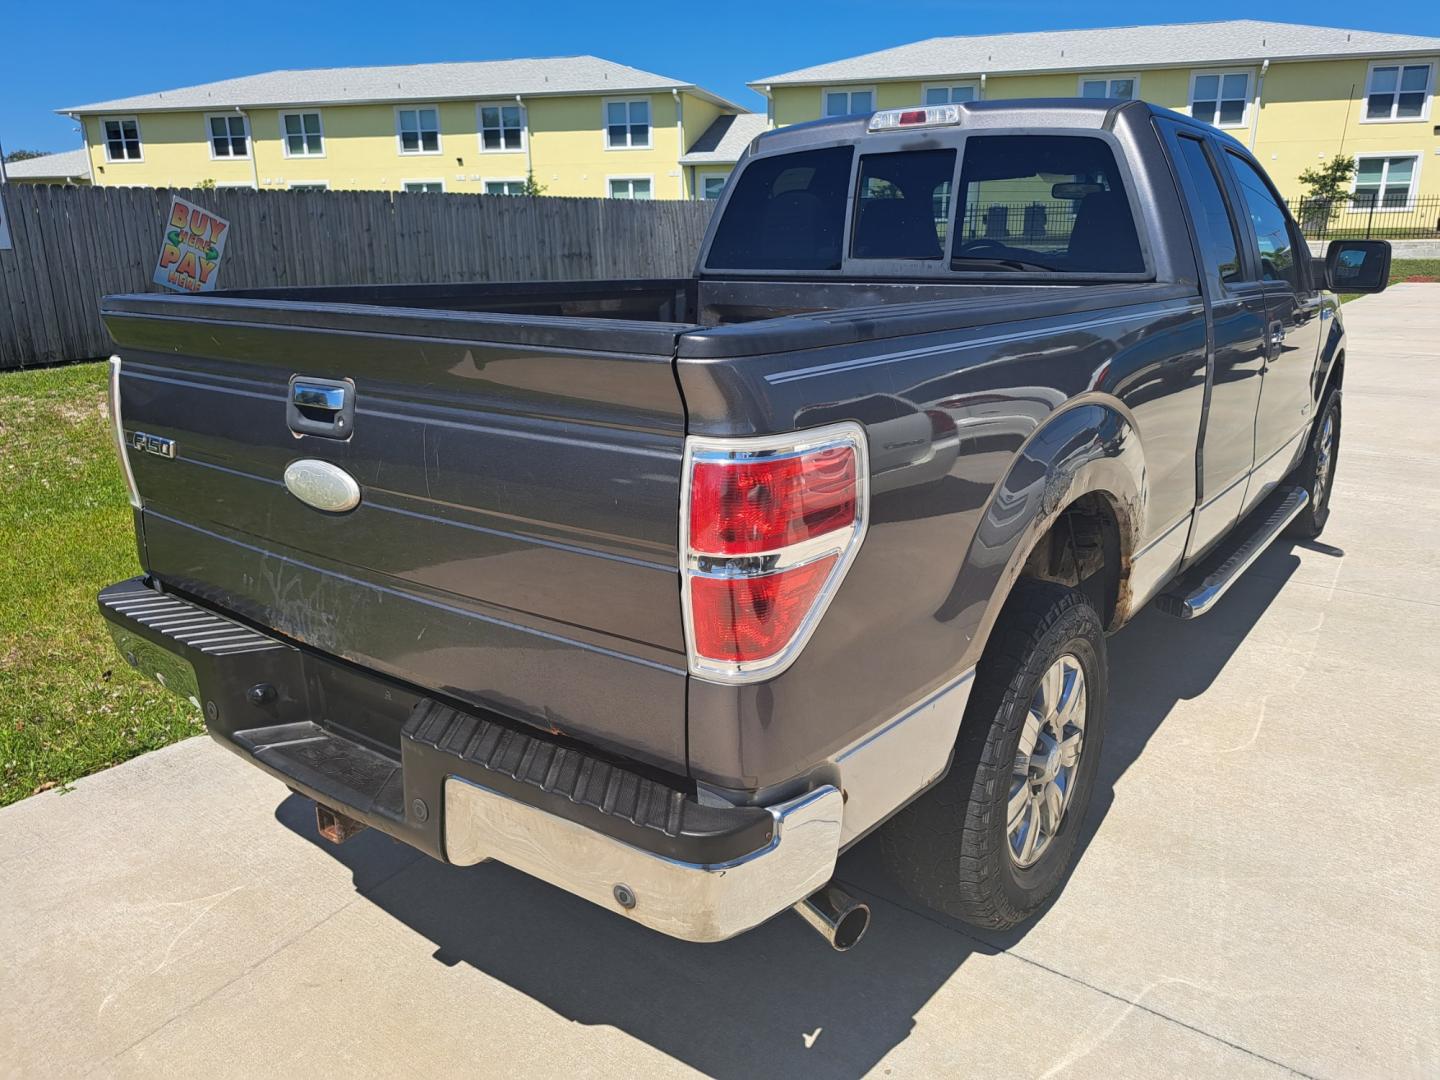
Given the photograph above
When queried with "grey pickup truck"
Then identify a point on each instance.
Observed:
(667, 592)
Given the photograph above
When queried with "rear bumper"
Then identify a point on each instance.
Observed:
(467, 788)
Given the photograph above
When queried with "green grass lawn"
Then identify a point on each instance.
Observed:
(1404, 270)
(69, 705)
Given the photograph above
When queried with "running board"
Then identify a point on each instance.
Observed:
(1191, 598)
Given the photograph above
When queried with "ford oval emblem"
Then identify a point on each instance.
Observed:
(322, 485)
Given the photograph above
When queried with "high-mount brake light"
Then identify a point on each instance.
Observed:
(918, 116)
(769, 528)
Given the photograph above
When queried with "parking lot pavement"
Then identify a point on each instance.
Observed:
(1257, 895)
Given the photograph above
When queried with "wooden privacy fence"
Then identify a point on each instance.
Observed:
(71, 246)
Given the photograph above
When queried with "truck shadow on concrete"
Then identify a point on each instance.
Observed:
(775, 1001)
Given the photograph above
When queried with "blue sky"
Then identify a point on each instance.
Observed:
(82, 51)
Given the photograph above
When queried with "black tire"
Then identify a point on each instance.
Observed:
(1316, 473)
(952, 848)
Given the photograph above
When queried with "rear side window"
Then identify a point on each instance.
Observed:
(902, 205)
(786, 213)
(1216, 228)
(1044, 202)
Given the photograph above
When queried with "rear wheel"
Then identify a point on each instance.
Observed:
(1316, 473)
(992, 842)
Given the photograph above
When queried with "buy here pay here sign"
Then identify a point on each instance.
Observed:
(193, 247)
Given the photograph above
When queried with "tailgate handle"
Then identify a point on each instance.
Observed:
(308, 396)
(324, 407)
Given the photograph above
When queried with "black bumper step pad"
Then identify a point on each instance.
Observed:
(582, 787)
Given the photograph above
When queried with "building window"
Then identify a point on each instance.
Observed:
(1219, 97)
(627, 124)
(122, 139)
(418, 130)
(504, 187)
(228, 137)
(1124, 87)
(423, 187)
(1397, 92)
(712, 185)
(1386, 183)
(630, 187)
(952, 93)
(310, 185)
(303, 134)
(849, 102)
(502, 127)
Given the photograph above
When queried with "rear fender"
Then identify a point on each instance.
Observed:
(1091, 447)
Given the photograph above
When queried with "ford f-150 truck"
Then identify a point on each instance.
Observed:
(669, 591)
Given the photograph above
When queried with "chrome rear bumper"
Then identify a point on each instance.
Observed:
(686, 900)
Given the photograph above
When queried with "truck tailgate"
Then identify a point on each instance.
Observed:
(515, 542)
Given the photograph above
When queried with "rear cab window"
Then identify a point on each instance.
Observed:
(786, 213)
(1044, 203)
(1021, 204)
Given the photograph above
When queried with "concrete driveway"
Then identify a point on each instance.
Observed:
(1258, 895)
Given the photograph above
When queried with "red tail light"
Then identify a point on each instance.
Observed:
(770, 526)
(745, 507)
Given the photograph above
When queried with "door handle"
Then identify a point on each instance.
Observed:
(324, 407)
(1277, 334)
(324, 398)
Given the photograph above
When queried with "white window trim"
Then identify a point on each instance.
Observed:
(1245, 117)
(139, 135)
(439, 135)
(524, 126)
(925, 89)
(826, 91)
(499, 180)
(1409, 207)
(210, 136)
(285, 139)
(1109, 77)
(632, 177)
(1424, 108)
(314, 185)
(605, 104)
(235, 184)
(421, 180)
(701, 175)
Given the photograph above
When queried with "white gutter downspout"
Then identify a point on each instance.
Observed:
(982, 86)
(250, 137)
(1259, 91)
(529, 157)
(679, 137)
(769, 108)
(85, 139)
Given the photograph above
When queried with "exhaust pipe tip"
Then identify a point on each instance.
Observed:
(836, 916)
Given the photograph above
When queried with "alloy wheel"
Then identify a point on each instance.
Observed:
(1046, 761)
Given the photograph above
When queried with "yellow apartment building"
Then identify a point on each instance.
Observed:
(581, 125)
(1296, 95)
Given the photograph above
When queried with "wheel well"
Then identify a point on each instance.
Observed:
(1337, 377)
(1082, 549)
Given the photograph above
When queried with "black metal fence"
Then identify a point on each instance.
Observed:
(1018, 221)
(1368, 216)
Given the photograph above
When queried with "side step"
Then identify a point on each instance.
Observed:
(1192, 595)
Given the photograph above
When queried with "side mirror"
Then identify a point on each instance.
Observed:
(1357, 266)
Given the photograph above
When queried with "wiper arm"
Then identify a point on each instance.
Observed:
(983, 263)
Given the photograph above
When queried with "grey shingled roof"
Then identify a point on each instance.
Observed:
(548, 76)
(62, 166)
(725, 140)
(1116, 48)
